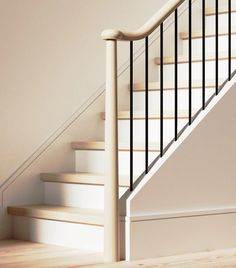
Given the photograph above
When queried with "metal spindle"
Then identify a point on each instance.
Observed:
(161, 90)
(217, 46)
(229, 22)
(190, 61)
(146, 105)
(203, 54)
(131, 116)
(176, 74)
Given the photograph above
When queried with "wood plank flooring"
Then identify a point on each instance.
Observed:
(214, 259)
(20, 254)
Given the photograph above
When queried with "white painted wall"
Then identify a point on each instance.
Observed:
(51, 60)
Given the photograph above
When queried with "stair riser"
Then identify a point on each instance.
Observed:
(73, 235)
(210, 45)
(75, 195)
(197, 71)
(223, 21)
(94, 161)
(169, 99)
(154, 130)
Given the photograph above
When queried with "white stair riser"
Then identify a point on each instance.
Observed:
(210, 45)
(154, 130)
(197, 70)
(75, 195)
(94, 161)
(223, 21)
(82, 236)
(169, 99)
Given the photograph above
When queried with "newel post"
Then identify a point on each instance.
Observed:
(111, 221)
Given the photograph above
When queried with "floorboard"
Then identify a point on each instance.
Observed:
(20, 254)
(211, 259)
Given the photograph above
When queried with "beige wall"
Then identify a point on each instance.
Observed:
(199, 171)
(51, 61)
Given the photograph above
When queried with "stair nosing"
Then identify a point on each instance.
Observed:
(197, 35)
(59, 213)
(100, 146)
(222, 10)
(198, 58)
(98, 179)
(155, 86)
(169, 115)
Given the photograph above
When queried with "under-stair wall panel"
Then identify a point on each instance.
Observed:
(194, 179)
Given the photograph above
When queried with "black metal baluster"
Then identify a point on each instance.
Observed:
(161, 90)
(176, 74)
(217, 47)
(131, 117)
(190, 61)
(146, 105)
(203, 54)
(229, 22)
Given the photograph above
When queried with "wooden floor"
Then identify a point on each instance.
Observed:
(214, 259)
(14, 254)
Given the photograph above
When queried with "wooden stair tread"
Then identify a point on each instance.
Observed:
(81, 178)
(196, 58)
(140, 115)
(222, 10)
(59, 213)
(100, 146)
(195, 35)
(155, 86)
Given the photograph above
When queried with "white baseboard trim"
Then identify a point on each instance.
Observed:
(181, 235)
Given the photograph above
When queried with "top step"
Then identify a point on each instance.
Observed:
(222, 10)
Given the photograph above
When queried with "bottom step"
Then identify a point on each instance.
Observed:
(63, 226)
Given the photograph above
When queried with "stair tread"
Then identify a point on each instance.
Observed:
(155, 86)
(59, 213)
(81, 178)
(196, 58)
(222, 10)
(222, 32)
(140, 115)
(100, 146)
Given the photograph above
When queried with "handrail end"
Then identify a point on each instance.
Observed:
(111, 34)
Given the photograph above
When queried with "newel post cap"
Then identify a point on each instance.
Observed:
(111, 34)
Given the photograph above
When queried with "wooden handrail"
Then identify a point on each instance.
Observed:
(150, 26)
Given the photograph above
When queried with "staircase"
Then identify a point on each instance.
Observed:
(73, 211)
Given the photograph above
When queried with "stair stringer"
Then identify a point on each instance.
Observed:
(187, 202)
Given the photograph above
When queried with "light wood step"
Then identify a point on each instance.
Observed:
(81, 178)
(155, 86)
(100, 146)
(195, 35)
(140, 115)
(222, 10)
(196, 58)
(58, 213)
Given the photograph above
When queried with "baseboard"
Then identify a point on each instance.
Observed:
(182, 234)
